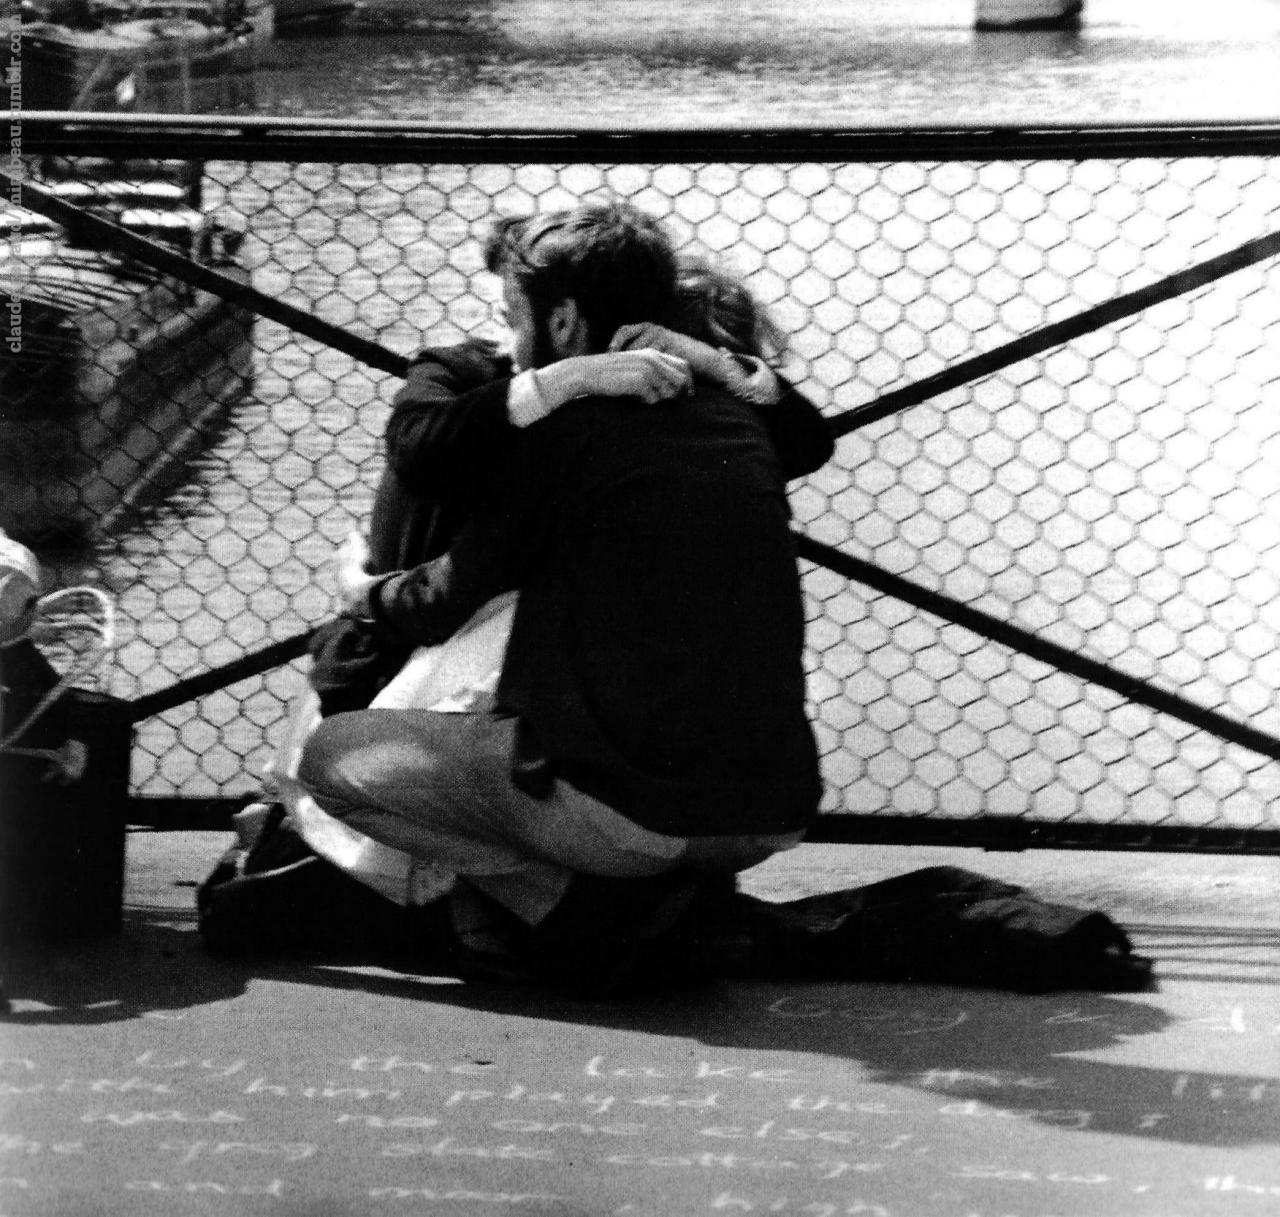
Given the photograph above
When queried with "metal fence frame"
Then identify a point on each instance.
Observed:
(380, 142)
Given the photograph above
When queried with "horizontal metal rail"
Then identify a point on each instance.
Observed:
(993, 833)
(387, 141)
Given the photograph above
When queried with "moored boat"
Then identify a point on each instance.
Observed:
(158, 56)
(113, 372)
(1028, 14)
(311, 16)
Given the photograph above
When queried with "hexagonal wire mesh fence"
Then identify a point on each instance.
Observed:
(1114, 495)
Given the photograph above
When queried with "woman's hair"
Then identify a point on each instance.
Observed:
(717, 308)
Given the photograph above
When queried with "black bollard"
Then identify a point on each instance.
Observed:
(62, 820)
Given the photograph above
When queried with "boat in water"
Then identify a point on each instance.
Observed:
(297, 17)
(114, 374)
(154, 56)
(1028, 14)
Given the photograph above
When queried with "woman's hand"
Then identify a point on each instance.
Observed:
(353, 579)
(704, 360)
(745, 376)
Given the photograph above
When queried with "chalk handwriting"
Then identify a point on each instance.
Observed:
(1220, 1090)
(209, 1187)
(968, 1079)
(1003, 1212)
(1230, 1021)
(598, 1067)
(462, 1193)
(14, 1143)
(1010, 1175)
(91, 1085)
(282, 1090)
(769, 1130)
(824, 1102)
(1229, 1183)
(897, 1021)
(828, 1168)
(126, 1119)
(290, 1151)
(1075, 1015)
(223, 1069)
(411, 1122)
(671, 1102)
(1066, 1117)
(597, 1104)
(729, 1202)
(570, 1126)
(388, 1064)
(450, 1148)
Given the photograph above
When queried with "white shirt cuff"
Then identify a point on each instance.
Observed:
(526, 403)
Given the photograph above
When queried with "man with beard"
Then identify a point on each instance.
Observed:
(648, 729)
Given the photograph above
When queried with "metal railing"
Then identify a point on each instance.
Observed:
(1043, 571)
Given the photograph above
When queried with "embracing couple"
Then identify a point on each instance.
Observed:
(568, 678)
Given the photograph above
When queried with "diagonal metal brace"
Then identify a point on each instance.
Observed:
(1056, 334)
(107, 235)
(1131, 688)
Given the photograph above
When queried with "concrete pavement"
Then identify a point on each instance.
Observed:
(139, 1076)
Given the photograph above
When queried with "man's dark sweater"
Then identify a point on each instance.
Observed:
(448, 441)
(655, 657)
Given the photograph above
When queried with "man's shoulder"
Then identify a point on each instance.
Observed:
(702, 443)
(461, 365)
(470, 351)
(705, 407)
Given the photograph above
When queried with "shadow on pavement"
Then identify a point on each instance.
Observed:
(1073, 1061)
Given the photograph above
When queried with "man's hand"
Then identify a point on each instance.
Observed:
(650, 375)
(354, 581)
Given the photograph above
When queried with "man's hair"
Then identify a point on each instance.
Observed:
(616, 262)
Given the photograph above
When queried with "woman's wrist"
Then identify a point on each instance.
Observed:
(749, 378)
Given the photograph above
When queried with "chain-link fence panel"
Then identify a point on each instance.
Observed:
(1118, 495)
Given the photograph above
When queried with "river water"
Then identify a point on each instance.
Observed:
(235, 556)
(780, 62)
